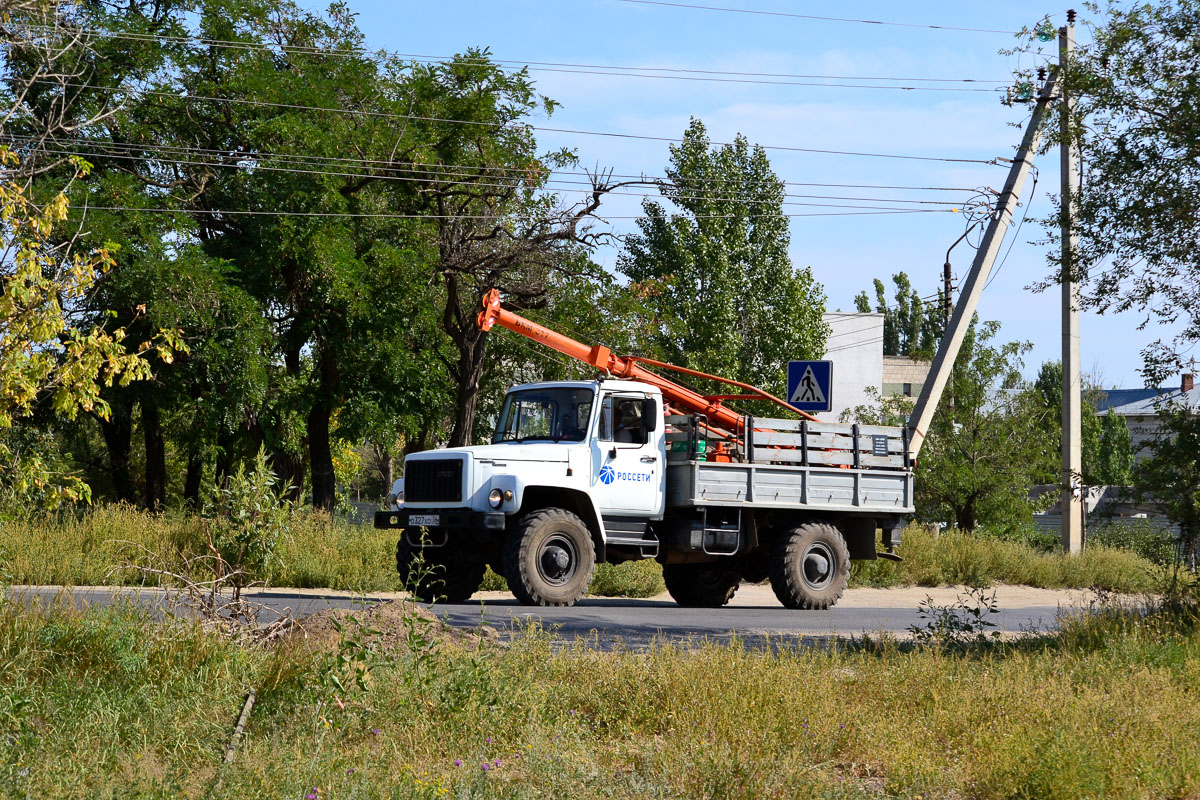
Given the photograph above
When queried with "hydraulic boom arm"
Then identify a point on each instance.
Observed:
(629, 367)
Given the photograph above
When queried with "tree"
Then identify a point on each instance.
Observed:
(50, 352)
(1105, 442)
(1138, 213)
(981, 455)
(716, 277)
(1170, 475)
(1114, 459)
(910, 328)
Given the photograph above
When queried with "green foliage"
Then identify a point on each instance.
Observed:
(986, 446)
(247, 516)
(1170, 475)
(631, 579)
(1151, 539)
(1114, 459)
(910, 327)
(1138, 107)
(113, 703)
(722, 293)
(983, 558)
(45, 352)
(1105, 442)
(965, 623)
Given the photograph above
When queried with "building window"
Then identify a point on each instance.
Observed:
(908, 390)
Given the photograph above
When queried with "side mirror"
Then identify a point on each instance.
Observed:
(650, 414)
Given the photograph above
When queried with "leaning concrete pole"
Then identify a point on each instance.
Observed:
(1072, 434)
(968, 300)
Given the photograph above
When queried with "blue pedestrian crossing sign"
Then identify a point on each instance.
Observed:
(810, 385)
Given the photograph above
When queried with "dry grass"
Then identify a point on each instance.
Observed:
(110, 704)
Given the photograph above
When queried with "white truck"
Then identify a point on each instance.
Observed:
(639, 466)
(581, 472)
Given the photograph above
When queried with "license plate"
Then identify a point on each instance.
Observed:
(424, 519)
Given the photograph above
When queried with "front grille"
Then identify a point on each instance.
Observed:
(433, 481)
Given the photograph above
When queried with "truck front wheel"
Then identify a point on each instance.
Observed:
(549, 558)
(810, 566)
(707, 585)
(444, 573)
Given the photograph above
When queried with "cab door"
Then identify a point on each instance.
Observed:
(627, 466)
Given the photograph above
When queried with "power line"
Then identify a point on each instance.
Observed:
(460, 170)
(813, 17)
(572, 131)
(586, 191)
(679, 73)
(346, 214)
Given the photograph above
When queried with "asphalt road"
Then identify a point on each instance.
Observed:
(754, 614)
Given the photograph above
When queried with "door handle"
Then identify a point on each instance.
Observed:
(649, 459)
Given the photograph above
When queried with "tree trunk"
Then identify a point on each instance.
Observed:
(471, 352)
(320, 456)
(193, 478)
(118, 438)
(386, 471)
(155, 490)
(224, 457)
(289, 472)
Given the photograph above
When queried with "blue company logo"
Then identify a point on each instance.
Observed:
(608, 475)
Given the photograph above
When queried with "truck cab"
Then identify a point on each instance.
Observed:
(575, 473)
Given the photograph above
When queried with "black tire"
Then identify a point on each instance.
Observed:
(448, 574)
(549, 558)
(705, 585)
(810, 566)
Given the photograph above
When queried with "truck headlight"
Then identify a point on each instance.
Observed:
(495, 498)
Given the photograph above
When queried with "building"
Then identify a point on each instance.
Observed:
(1139, 407)
(904, 376)
(855, 346)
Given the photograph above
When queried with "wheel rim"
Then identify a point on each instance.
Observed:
(817, 565)
(558, 560)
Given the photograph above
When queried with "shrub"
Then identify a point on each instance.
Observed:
(631, 579)
(1153, 540)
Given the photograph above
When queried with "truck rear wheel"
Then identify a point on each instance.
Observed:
(549, 558)
(444, 573)
(706, 585)
(810, 566)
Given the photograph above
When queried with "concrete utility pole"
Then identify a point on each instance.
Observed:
(1073, 502)
(972, 287)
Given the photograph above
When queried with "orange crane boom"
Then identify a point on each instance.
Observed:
(629, 367)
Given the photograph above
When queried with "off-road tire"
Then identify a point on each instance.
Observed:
(797, 575)
(449, 574)
(705, 585)
(532, 558)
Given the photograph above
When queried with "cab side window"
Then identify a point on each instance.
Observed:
(621, 420)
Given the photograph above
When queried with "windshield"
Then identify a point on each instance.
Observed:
(559, 415)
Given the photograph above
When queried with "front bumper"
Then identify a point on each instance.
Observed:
(449, 519)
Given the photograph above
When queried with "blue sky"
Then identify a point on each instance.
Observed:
(844, 252)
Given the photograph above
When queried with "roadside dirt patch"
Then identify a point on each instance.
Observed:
(388, 624)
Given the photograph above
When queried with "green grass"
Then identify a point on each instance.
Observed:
(952, 557)
(320, 552)
(108, 704)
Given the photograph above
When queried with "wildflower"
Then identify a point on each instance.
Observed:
(375, 731)
(488, 740)
(350, 771)
(497, 763)
(571, 712)
(458, 762)
(485, 766)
